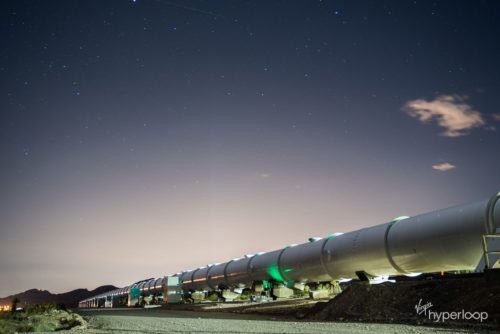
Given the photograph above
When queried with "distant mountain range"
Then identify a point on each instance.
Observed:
(69, 299)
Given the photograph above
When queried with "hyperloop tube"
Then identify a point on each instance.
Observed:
(186, 278)
(443, 240)
(361, 250)
(200, 279)
(304, 263)
(237, 275)
(215, 277)
(265, 267)
(158, 285)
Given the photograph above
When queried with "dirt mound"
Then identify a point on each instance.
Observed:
(40, 318)
(459, 301)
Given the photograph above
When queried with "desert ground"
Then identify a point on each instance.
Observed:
(181, 321)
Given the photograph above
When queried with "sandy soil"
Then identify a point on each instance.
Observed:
(175, 321)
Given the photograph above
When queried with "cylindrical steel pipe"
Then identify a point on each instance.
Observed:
(443, 240)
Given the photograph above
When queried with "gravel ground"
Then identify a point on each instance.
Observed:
(153, 321)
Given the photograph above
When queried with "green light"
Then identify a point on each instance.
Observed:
(333, 235)
(266, 284)
(274, 272)
(134, 293)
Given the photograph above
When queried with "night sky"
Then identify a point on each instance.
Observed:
(142, 138)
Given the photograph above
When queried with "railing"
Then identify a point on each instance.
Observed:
(486, 252)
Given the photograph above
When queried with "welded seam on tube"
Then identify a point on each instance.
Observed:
(388, 252)
(490, 214)
(207, 279)
(322, 254)
(282, 274)
(192, 277)
(249, 267)
(225, 273)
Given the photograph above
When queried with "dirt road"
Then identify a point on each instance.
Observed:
(152, 321)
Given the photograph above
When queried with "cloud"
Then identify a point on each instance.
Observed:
(265, 175)
(450, 111)
(490, 128)
(444, 167)
(496, 117)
